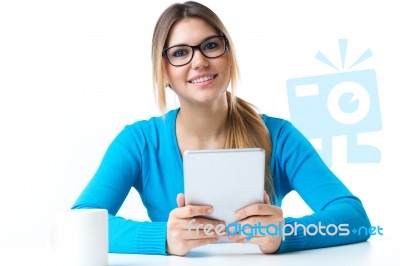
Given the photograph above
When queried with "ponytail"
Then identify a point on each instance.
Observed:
(246, 129)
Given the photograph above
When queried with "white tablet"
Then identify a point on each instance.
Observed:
(227, 179)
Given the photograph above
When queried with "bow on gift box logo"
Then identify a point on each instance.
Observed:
(344, 103)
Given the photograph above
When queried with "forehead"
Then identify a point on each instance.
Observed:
(189, 31)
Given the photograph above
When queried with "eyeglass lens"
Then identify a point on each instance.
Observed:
(183, 54)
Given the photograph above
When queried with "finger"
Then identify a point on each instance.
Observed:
(202, 233)
(180, 200)
(200, 242)
(256, 220)
(201, 223)
(242, 233)
(246, 236)
(257, 210)
(246, 233)
(251, 227)
(254, 239)
(266, 198)
(269, 245)
(190, 211)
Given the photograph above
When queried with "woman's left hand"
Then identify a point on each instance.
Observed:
(266, 214)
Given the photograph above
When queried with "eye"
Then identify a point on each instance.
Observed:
(178, 52)
(210, 45)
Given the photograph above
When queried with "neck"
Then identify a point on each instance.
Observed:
(202, 127)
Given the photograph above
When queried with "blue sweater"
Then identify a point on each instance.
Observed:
(145, 155)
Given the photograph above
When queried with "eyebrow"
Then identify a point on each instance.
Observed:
(208, 37)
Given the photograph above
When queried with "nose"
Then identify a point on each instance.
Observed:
(199, 61)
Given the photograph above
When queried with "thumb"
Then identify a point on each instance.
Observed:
(266, 198)
(180, 200)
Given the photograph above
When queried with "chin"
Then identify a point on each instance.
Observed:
(211, 98)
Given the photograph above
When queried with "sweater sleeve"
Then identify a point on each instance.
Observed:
(120, 170)
(337, 212)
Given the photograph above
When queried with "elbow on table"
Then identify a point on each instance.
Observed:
(362, 229)
(365, 229)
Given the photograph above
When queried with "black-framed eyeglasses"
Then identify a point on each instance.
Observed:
(180, 55)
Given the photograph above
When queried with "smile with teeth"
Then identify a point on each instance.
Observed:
(202, 79)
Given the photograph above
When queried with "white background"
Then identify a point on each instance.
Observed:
(73, 73)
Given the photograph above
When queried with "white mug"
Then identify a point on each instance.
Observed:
(82, 237)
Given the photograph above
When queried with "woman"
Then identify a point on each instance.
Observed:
(194, 56)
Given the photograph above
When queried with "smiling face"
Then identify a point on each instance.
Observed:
(204, 80)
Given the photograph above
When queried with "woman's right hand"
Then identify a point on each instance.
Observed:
(182, 235)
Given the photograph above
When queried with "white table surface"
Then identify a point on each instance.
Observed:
(374, 252)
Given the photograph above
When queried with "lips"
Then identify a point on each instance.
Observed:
(202, 78)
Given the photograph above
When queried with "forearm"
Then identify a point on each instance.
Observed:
(127, 236)
(334, 224)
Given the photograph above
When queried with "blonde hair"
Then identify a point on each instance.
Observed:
(245, 127)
